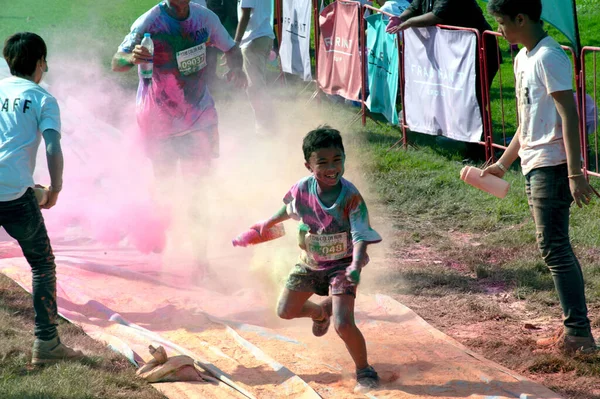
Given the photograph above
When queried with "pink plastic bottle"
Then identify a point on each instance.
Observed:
(489, 183)
(252, 236)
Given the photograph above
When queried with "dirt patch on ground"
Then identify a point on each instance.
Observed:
(439, 279)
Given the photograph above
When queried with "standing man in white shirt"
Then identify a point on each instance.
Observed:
(548, 143)
(255, 37)
(29, 113)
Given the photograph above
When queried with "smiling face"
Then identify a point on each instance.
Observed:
(327, 165)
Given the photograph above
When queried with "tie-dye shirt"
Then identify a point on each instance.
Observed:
(332, 230)
(178, 99)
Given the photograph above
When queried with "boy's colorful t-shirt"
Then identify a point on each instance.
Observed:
(178, 99)
(332, 230)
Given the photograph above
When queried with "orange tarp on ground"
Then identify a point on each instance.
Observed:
(125, 299)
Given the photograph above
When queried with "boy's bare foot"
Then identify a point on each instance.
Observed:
(366, 379)
(321, 326)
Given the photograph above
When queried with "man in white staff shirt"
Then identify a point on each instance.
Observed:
(255, 37)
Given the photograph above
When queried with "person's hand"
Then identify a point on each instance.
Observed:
(396, 25)
(353, 273)
(52, 199)
(494, 169)
(237, 76)
(262, 226)
(581, 190)
(140, 55)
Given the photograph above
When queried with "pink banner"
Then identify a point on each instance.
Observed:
(339, 59)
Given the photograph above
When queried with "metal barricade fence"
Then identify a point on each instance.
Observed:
(588, 111)
(364, 60)
(480, 81)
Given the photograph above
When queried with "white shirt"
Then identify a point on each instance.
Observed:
(544, 70)
(260, 20)
(395, 7)
(26, 110)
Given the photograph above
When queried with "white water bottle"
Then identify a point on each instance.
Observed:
(146, 69)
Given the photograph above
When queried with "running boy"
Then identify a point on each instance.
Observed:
(547, 141)
(334, 247)
(28, 113)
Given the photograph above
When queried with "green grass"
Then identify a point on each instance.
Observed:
(104, 374)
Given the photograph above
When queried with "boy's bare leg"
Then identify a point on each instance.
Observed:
(295, 304)
(343, 319)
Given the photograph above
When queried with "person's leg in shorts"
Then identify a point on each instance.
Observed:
(303, 283)
(343, 293)
(256, 56)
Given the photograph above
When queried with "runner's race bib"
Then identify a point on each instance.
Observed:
(191, 60)
(325, 247)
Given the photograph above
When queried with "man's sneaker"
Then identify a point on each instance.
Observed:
(568, 344)
(50, 352)
(320, 327)
(366, 379)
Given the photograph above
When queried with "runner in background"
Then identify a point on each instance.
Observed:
(255, 36)
(175, 110)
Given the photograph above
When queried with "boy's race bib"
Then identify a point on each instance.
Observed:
(326, 247)
(191, 60)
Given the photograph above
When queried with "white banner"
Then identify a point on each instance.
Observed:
(295, 39)
(440, 83)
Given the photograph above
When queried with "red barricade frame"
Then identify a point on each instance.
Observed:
(363, 32)
(484, 91)
(579, 65)
(582, 111)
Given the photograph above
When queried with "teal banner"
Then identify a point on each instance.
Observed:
(382, 59)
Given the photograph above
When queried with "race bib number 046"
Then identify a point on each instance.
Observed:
(191, 60)
(324, 247)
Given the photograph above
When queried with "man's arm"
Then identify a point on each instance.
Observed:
(122, 61)
(510, 155)
(429, 19)
(242, 24)
(567, 109)
(581, 191)
(55, 161)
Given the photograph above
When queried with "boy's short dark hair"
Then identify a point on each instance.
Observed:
(22, 51)
(323, 136)
(512, 8)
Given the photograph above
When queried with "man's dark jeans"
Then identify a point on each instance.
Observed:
(549, 199)
(23, 221)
